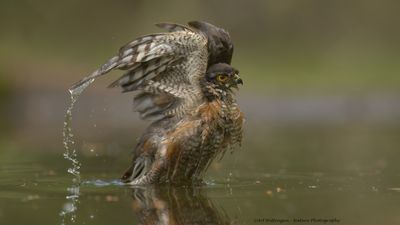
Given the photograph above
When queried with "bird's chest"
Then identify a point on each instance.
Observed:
(199, 140)
(217, 121)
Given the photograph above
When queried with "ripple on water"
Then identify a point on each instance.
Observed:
(102, 183)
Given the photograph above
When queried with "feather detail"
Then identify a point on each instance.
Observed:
(131, 80)
(172, 27)
(105, 68)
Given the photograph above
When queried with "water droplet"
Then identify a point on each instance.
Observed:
(69, 208)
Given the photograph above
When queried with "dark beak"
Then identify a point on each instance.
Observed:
(238, 80)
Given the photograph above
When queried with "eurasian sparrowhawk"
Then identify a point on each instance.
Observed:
(185, 84)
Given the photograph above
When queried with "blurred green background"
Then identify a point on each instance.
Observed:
(321, 78)
(321, 99)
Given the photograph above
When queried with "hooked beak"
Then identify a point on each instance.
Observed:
(238, 79)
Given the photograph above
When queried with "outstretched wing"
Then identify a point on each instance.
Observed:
(165, 68)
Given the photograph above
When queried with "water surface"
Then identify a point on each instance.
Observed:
(36, 189)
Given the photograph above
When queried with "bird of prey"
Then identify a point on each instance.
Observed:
(185, 85)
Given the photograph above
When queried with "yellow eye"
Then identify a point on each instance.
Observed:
(222, 77)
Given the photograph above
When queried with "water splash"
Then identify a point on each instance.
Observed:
(68, 212)
(68, 137)
(69, 143)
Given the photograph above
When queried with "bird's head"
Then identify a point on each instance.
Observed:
(221, 79)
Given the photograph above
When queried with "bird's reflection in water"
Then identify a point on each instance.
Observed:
(177, 206)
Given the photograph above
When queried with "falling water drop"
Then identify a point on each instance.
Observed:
(68, 212)
(69, 143)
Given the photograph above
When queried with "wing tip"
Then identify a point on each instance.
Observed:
(80, 86)
(86, 81)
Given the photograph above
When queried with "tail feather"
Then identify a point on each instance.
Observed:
(138, 169)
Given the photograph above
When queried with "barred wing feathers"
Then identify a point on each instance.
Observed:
(165, 68)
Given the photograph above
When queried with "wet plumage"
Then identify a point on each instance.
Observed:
(184, 84)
